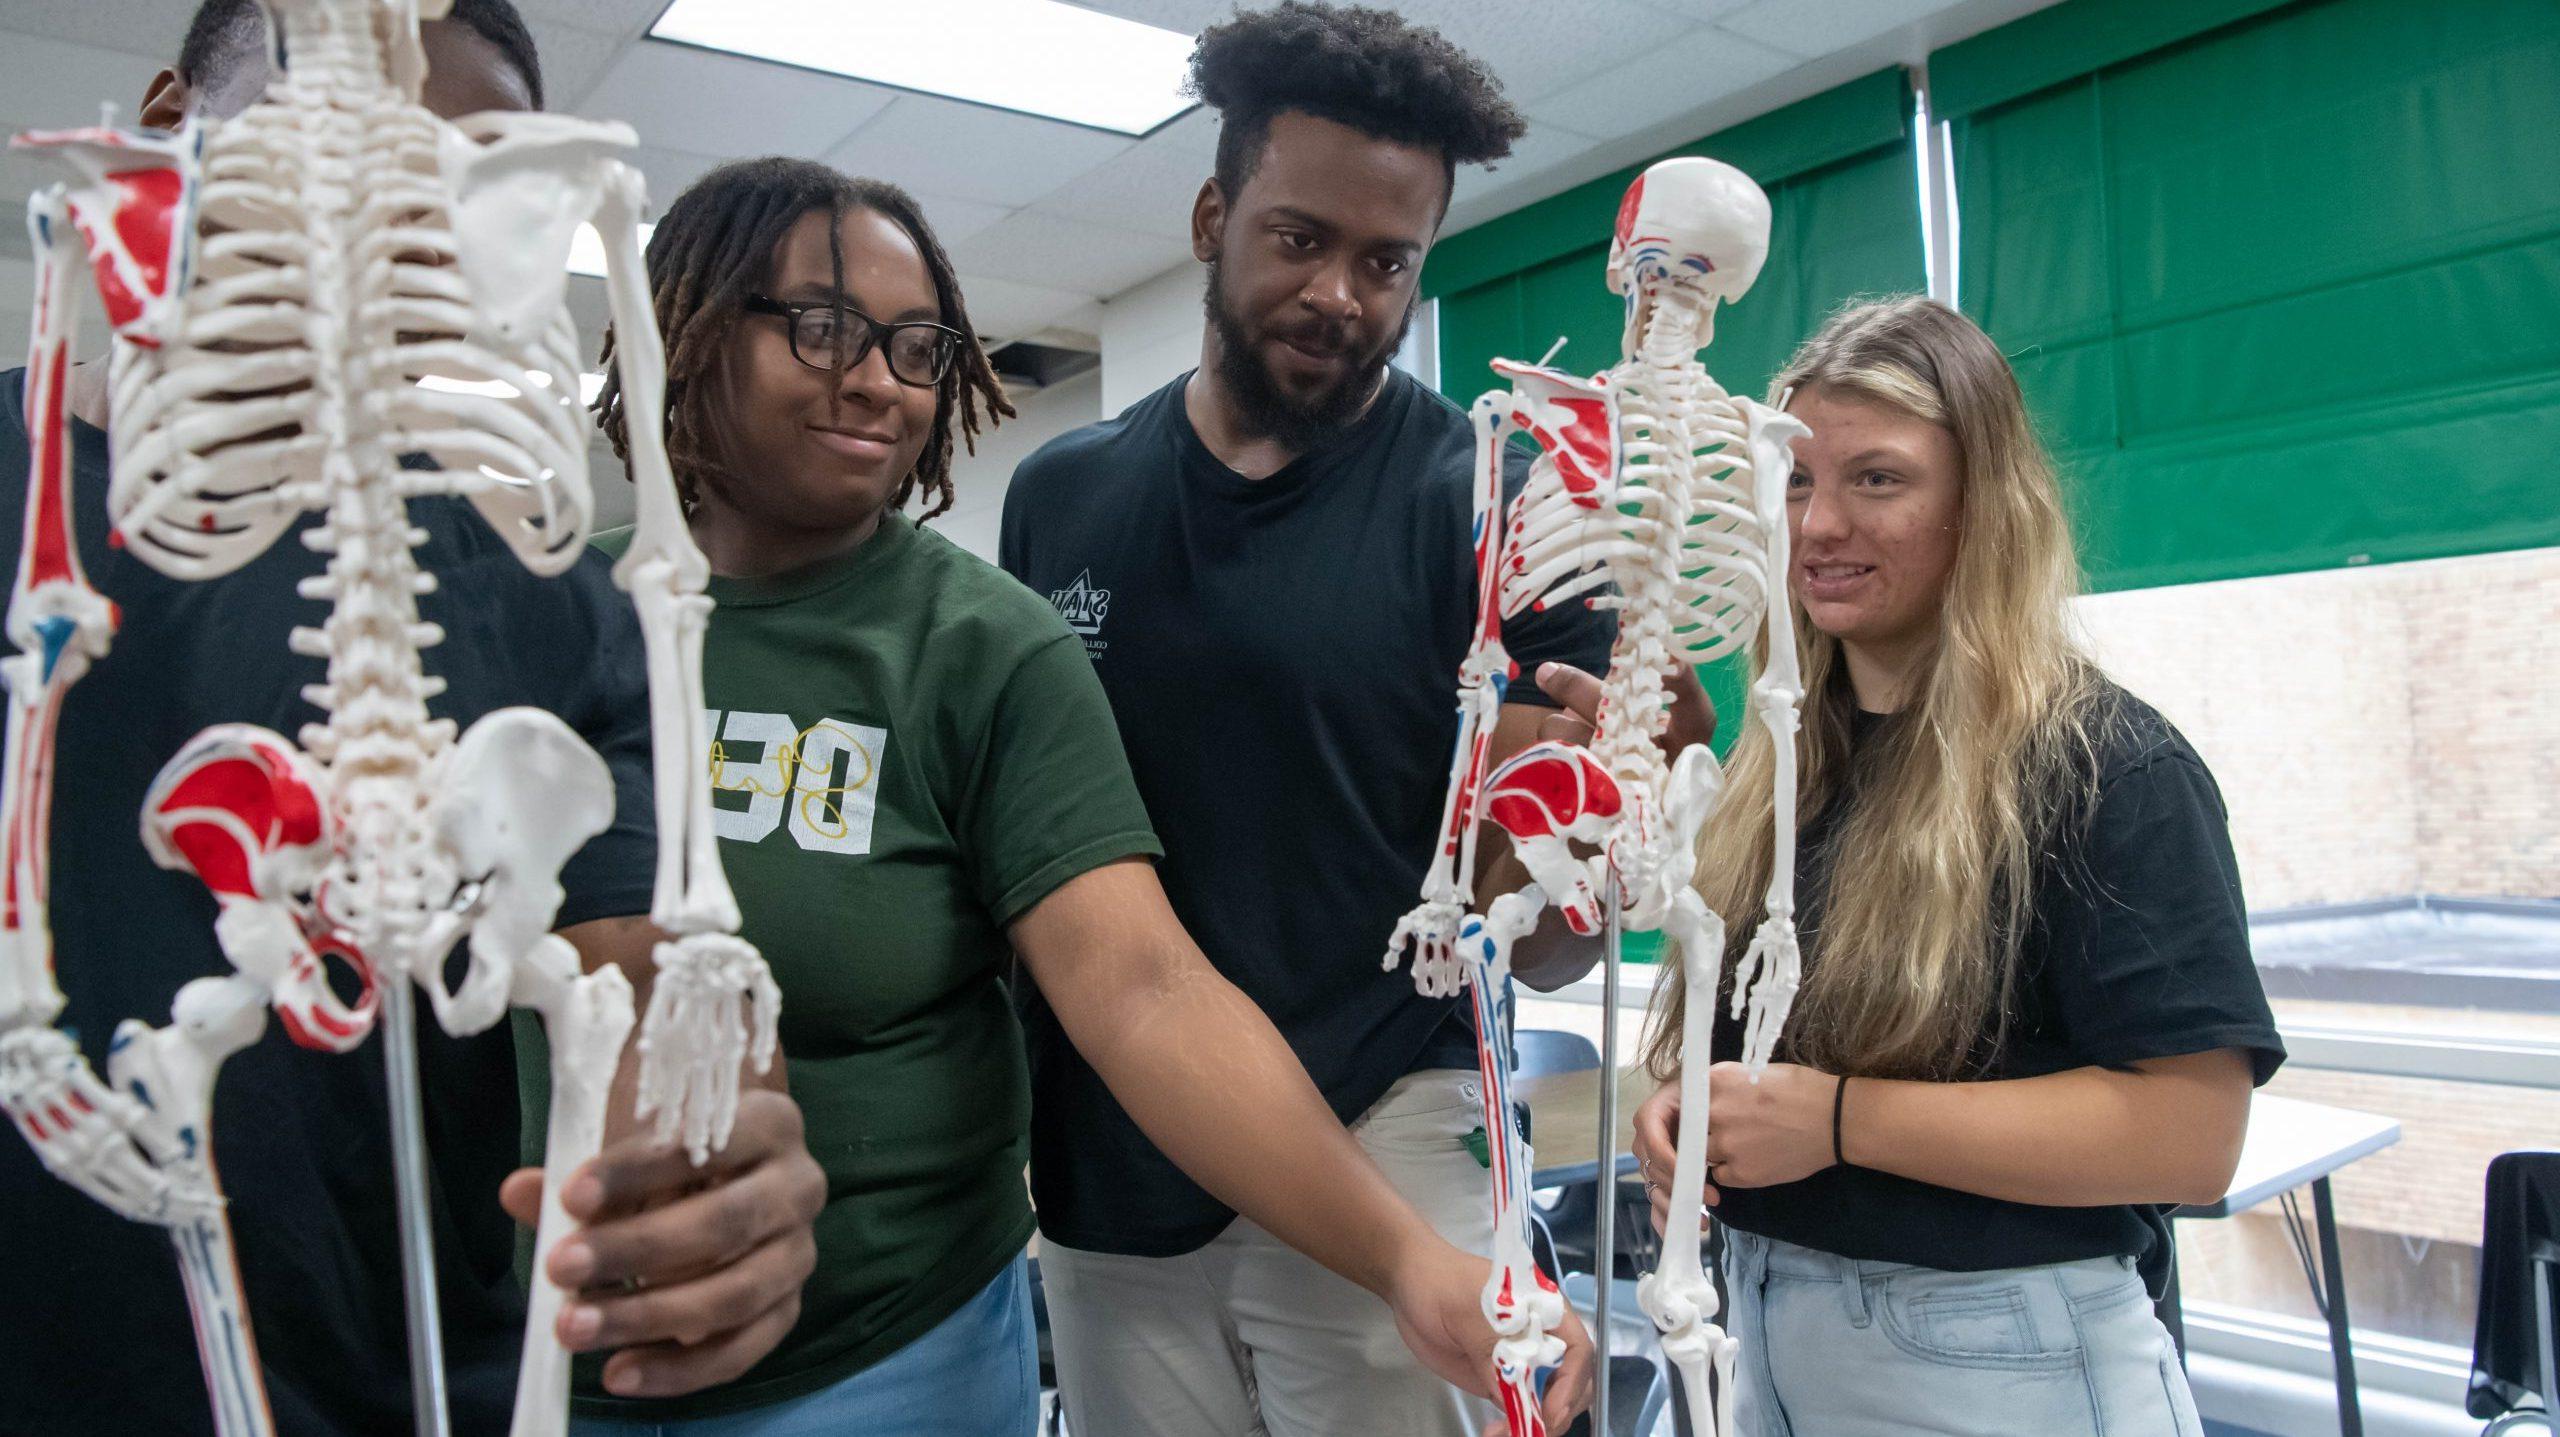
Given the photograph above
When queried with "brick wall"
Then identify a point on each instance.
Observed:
(2377, 732)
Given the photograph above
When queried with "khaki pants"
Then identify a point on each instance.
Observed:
(1246, 1337)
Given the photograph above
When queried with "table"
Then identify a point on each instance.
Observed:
(2291, 1143)
(1564, 1123)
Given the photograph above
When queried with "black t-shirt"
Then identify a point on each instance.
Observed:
(94, 1331)
(1282, 656)
(2137, 947)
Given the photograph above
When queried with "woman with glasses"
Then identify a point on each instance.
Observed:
(919, 779)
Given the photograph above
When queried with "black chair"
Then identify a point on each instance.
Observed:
(2515, 1345)
(1540, 1051)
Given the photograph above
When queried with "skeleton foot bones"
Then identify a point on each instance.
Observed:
(280, 284)
(1663, 497)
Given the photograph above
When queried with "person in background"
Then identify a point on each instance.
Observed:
(1270, 563)
(94, 1332)
(2029, 1023)
(921, 797)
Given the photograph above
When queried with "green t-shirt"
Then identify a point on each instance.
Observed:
(909, 751)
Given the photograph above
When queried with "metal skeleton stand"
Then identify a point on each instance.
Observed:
(1604, 1245)
(399, 1024)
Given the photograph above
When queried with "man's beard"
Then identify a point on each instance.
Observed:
(1299, 423)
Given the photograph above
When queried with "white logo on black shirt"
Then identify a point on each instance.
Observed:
(1083, 606)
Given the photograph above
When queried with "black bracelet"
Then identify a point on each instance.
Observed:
(1839, 1099)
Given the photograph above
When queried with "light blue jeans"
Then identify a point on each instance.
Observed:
(1836, 1347)
(975, 1374)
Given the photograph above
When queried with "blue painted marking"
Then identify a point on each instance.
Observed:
(56, 631)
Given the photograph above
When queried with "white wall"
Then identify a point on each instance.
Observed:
(979, 480)
(1150, 334)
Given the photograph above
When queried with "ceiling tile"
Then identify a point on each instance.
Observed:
(971, 152)
(1700, 68)
(22, 174)
(572, 61)
(671, 172)
(1002, 309)
(1189, 17)
(954, 219)
(142, 27)
(1035, 246)
(1702, 11)
(1194, 132)
(614, 17)
(1538, 47)
(1818, 27)
(680, 98)
(1544, 147)
(51, 84)
(1147, 188)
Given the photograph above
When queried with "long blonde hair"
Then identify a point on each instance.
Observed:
(1933, 863)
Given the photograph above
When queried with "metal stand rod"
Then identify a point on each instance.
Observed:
(2545, 1268)
(2333, 1278)
(399, 1026)
(1604, 1243)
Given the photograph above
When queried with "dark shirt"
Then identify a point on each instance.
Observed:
(2137, 947)
(1282, 657)
(94, 1331)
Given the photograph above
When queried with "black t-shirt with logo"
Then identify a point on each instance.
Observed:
(2137, 947)
(1282, 657)
(94, 1331)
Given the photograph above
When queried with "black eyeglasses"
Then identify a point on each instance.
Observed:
(920, 351)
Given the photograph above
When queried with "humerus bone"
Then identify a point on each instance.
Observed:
(306, 297)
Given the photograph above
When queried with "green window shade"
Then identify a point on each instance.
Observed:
(2286, 295)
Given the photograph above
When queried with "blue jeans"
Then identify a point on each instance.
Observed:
(976, 1374)
(1835, 1347)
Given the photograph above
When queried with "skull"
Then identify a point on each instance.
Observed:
(1695, 226)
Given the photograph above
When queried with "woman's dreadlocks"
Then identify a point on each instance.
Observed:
(715, 246)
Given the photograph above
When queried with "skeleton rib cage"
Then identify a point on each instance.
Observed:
(335, 303)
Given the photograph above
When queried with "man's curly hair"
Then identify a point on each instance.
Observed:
(1365, 68)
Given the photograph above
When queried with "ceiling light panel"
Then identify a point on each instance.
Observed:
(1039, 57)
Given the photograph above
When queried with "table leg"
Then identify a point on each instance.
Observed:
(2545, 1268)
(2333, 1281)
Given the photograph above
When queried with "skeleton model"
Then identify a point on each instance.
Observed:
(1655, 481)
(303, 297)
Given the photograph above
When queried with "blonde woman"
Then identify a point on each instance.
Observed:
(2029, 1022)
